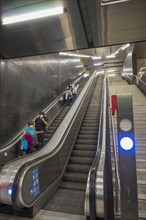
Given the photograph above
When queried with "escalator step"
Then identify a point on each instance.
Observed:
(86, 132)
(76, 177)
(73, 185)
(90, 117)
(85, 147)
(86, 136)
(78, 168)
(81, 160)
(82, 141)
(87, 128)
(84, 153)
(90, 120)
(47, 135)
(89, 124)
(49, 131)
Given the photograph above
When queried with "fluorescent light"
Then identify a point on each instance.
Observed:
(100, 72)
(74, 54)
(97, 64)
(110, 56)
(79, 66)
(63, 53)
(32, 15)
(110, 71)
(103, 3)
(96, 58)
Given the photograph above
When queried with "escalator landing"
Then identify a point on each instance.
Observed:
(67, 201)
(45, 215)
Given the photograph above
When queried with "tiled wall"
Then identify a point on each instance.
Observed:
(27, 85)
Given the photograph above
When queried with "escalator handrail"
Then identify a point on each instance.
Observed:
(116, 159)
(139, 80)
(98, 164)
(46, 110)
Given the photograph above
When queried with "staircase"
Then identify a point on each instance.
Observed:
(117, 85)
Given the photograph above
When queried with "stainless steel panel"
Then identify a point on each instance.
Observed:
(85, 25)
(46, 35)
(28, 85)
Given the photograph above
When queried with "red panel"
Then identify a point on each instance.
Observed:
(114, 103)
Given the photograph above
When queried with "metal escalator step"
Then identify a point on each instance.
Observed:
(49, 131)
(81, 160)
(54, 124)
(80, 153)
(85, 147)
(86, 132)
(67, 201)
(78, 168)
(73, 186)
(76, 177)
(90, 117)
(57, 121)
(87, 136)
(83, 141)
(87, 128)
(47, 135)
(92, 120)
(53, 127)
(94, 124)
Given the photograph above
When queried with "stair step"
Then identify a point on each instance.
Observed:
(84, 153)
(140, 163)
(87, 136)
(81, 160)
(49, 131)
(47, 135)
(86, 132)
(76, 177)
(87, 128)
(83, 141)
(141, 155)
(90, 124)
(85, 147)
(73, 185)
(78, 168)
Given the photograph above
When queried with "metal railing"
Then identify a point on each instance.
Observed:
(116, 159)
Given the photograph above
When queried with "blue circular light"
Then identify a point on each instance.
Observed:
(9, 191)
(126, 143)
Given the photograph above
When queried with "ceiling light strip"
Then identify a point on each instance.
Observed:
(103, 3)
(33, 15)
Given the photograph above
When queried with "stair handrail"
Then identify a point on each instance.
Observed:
(115, 154)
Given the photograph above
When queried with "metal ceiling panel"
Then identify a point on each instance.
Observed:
(46, 35)
(114, 24)
(85, 25)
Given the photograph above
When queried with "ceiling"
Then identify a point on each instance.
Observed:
(86, 24)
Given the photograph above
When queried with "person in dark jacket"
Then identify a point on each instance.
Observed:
(40, 125)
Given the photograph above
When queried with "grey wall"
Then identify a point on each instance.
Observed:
(27, 85)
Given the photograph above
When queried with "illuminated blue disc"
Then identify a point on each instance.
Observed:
(9, 191)
(126, 143)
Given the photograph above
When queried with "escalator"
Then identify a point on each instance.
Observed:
(70, 197)
(62, 170)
